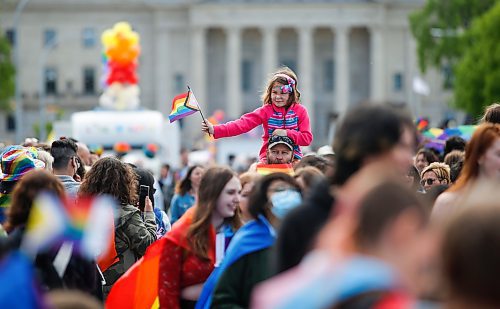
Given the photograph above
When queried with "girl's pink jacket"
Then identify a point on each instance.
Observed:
(294, 120)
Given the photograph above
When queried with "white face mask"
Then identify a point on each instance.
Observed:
(284, 201)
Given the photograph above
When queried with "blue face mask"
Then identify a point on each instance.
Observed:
(284, 201)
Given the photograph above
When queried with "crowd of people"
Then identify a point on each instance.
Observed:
(375, 220)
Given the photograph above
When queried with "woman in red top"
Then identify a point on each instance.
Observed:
(189, 253)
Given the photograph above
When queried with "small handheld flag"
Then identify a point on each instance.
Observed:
(183, 105)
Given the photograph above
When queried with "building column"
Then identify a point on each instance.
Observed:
(198, 65)
(163, 74)
(342, 74)
(305, 76)
(269, 50)
(233, 73)
(377, 78)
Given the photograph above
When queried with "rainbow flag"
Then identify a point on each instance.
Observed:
(88, 223)
(183, 105)
(139, 283)
(265, 169)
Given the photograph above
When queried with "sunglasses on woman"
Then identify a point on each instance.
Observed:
(428, 181)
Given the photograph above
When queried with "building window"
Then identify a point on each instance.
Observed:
(329, 75)
(179, 83)
(448, 77)
(88, 37)
(88, 80)
(398, 82)
(246, 70)
(49, 37)
(10, 34)
(50, 78)
(11, 123)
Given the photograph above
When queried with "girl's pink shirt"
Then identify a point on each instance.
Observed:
(299, 131)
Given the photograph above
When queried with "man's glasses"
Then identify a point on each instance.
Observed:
(428, 181)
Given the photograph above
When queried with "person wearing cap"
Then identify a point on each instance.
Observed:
(15, 162)
(280, 150)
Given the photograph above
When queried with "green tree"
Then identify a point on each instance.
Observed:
(7, 73)
(438, 29)
(478, 72)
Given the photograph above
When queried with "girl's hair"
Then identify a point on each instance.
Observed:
(25, 191)
(491, 114)
(279, 77)
(367, 130)
(454, 156)
(185, 184)
(482, 139)
(259, 204)
(428, 154)
(113, 177)
(212, 183)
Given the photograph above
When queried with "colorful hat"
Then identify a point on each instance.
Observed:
(17, 161)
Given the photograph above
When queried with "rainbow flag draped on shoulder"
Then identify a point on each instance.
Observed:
(183, 105)
(265, 169)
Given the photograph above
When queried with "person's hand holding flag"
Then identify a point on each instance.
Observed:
(207, 127)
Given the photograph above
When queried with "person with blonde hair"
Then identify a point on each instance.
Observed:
(435, 174)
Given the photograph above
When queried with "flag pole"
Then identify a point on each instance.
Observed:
(201, 113)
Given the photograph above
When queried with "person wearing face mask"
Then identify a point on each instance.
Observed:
(248, 257)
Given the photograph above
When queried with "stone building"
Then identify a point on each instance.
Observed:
(344, 52)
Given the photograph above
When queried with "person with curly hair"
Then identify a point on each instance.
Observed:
(133, 234)
(190, 252)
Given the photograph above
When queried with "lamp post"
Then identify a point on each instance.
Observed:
(19, 104)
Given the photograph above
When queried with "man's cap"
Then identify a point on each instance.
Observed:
(277, 139)
(16, 161)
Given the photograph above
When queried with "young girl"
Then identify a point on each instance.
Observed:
(280, 114)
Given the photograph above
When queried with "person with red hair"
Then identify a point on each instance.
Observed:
(482, 161)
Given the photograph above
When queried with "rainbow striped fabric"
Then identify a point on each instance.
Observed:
(265, 169)
(88, 223)
(183, 105)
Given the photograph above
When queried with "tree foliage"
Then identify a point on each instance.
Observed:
(478, 72)
(7, 73)
(438, 29)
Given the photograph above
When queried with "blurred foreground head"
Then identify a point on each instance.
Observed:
(390, 226)
(471, 250)
(373, 133)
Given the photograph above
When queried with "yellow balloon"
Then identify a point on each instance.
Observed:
(122, 27)
(134, 38)
(108, 38)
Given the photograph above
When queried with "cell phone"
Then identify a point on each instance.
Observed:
(143, 192)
